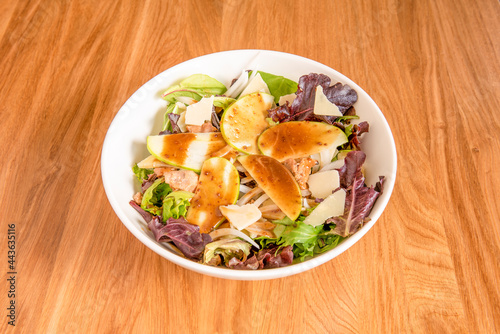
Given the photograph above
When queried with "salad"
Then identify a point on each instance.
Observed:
(260, 174)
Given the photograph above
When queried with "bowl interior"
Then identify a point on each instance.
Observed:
(142, 115)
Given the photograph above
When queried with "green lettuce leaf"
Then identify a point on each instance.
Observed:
(278, 85)
(285, 221)
(204, 83)
(172, 93)
(172, 108)
(343, 119)
(152, 200)
(227, 249)
(195, 86)
(141, 173)
(300, 233)
(306, 240)
(175, 204)
(223, 101)
(348, 130)
(326, 241)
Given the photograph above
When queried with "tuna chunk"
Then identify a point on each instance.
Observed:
(178, 179)
(300, 170)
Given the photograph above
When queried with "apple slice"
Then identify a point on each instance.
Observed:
(276, 181)
(299, 139)
(185, 150)
(219, 184)
(243, 122)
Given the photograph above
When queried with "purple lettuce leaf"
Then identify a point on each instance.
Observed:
(146, 215)
(359, 198)
(215, 121)
(340, 125)
(352, 168)
(184, 235)
(358, 204)
(362, 128)
(357, 130)
(165, 132)
(306, 95)
(271, 259)
(147, 183)
(250, 264)
(380, 184)
(265, 259)
(350, 112)
(302, 108)
(158, 229)
(280, 113)
(343, 96)
(174, 118)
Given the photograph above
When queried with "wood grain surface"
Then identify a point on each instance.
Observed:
(430, 264)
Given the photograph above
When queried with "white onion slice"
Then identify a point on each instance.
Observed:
(246, 180)
(186, 100)
(244, 189)
(326, 156)
(316, 157)
(231, 231)
(254, 73)
(272, 212)
(249, 195)
(239, 167)
(305, 204)
(260, 200)
(268, 208)
(238, 85)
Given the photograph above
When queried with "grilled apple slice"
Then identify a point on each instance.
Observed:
(299, 139)
(185, 150)
(219, 184)
(244, 121)
(276, 181)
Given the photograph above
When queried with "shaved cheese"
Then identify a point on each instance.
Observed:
(332, 206)
(322, 184)
(322, 106)
(257, 84)
(287, 98)
(241, 216)
(198, 113)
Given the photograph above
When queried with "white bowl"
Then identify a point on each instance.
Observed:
(142, 115)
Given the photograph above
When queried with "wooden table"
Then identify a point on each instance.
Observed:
(429, 265)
